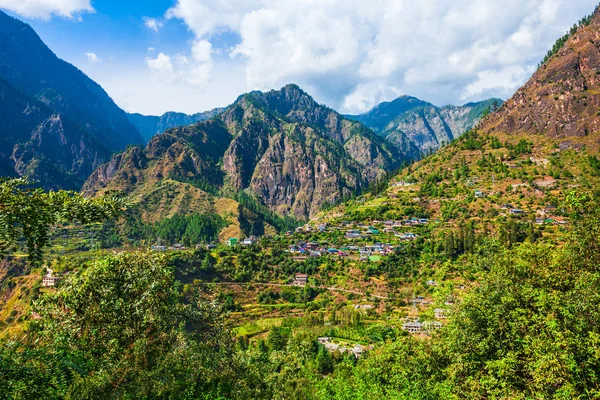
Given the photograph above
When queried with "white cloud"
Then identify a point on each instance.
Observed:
(92, 57)
(201, 51)
(151, 49)
(45, 9)
(355, 53)
(162, 66)
(153, 23)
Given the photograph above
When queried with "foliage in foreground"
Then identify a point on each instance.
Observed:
(29, 213)
(124, 328)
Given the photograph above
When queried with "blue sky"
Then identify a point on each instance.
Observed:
(194, 55)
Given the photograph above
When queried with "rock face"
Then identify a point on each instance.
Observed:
(562, 98)
(418, 127)
(290, 153)
(56, 124)
(149, 125)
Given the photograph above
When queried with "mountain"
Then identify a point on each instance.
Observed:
(57, 125)
(46, 146)
(419, 127)
(280, 148)
(149, 125)
(517, 166)
(562, 98)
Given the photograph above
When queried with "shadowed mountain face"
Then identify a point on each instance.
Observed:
(149, 125)
(290, 153)
(418, 127)
(57, 125)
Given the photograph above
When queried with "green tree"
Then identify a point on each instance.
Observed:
(28, 213)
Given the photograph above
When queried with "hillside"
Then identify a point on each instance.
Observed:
(281, 148)
(150, 125)
(519, 163)
(419, 127)
(57, 125)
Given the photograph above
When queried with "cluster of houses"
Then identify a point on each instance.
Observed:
(417, 327)
(541, 214)
(359, 229)
(368, 252)
(249, 241)
(358, 350)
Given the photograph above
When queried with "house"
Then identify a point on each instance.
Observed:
(159, 248)
(300, 280)
(248, 241)
(506, 206)
(232, 242)
(322, 228)
(177, 246)
(413, 327)
(358, 350)
(479, 194)
(539, 221)
(516, 211)
(363, 306)
(49, 280)
(431, 282)
(440, 313)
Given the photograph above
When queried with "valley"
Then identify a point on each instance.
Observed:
(276, 248)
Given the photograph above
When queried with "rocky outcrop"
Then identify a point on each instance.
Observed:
(56, 125)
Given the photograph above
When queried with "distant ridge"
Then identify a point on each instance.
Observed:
(419, 127)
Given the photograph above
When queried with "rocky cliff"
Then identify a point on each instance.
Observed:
(290, 153)
(56, 124)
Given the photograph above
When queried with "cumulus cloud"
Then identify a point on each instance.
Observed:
(153, 23)
(353, 53)
(92, 57)
(45, 9)
(162, 67)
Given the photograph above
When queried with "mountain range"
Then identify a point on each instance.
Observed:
(281, 148)
(289, 152)
(521, 161)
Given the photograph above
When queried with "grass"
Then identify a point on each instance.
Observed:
(256, 327)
